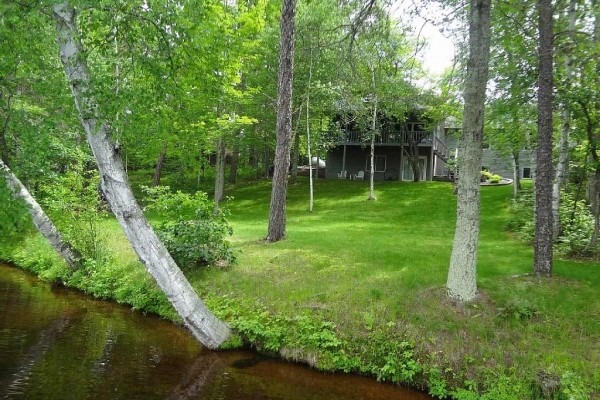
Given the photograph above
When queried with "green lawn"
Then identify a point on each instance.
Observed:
(365, 264)
(359, 286)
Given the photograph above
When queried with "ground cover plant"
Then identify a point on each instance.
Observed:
(358, 287)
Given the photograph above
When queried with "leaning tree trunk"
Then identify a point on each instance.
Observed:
(159, 164)
(202, 323)
(543, 243)
(219, 174)
(277, 214)
(41, 221)
(462, 275)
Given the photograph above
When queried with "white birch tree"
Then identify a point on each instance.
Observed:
(206, 327)
(41, 221)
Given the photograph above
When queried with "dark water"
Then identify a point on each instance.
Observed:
(58, 344)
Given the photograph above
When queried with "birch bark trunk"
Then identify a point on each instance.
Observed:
(516, 163)
(543, 243)
(277, 214)
(462, 274)
(311, 200)
(296, 152)
(593, 134)
(594, 189)
(202, 323)
(41, 221)
(373, 134)
(219, 175)
(563, 144)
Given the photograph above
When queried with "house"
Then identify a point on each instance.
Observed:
(396, 144)
(499, 162)
(399, 142)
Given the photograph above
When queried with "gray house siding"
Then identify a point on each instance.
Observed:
(501, 164)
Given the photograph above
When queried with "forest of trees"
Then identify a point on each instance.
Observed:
(94, 92)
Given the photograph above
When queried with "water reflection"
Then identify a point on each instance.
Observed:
(57, 344)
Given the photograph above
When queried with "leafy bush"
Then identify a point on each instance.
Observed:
(73, 203)
(521, 216)
(14, 218)
(192, 234)
(489, 177)
(577, 226)
(577, 223)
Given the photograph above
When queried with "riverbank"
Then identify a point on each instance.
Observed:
(358, 287)
(56, 344)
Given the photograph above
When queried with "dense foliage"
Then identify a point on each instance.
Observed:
(577, 226)
(187, 226)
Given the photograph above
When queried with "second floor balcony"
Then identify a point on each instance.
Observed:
(389, 138)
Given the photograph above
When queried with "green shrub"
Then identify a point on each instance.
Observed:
(73, 203)
(577, 223)
(577, 226)
(188, 228)
(487, 176)
(521, 216)
(14, 218)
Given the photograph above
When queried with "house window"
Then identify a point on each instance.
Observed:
(380, 163)
(526, 173)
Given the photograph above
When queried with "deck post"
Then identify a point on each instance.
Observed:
(344, 159)
(401, 157)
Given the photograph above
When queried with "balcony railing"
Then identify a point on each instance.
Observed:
(393, 137)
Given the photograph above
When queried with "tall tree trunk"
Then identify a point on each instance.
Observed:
(373, 134)
(296, 150)
(372, 171)
(516, 164)
(219, 174)
(563, 144)
(235, 160)
(594, 189)
(593, 133)
(159, 164)
(4, 153)
(268, 171)
(202, 323)
(311, 200)
(277, 214)
(462, 274)
(543, 242)
(41, 221)
(561, 171)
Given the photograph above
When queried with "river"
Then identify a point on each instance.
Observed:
(56, 343)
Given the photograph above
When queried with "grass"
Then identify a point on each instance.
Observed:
(358, 281)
